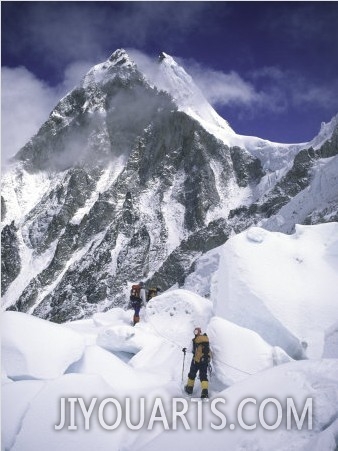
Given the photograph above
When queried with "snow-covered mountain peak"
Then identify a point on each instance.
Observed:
(121, 58)
(173, 78)
(164, 55)
(325, 132)
(169, 76)
(118, 63)
(175, 72)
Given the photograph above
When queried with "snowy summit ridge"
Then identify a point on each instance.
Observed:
(121, 58)
(118, 63)
(172, 78)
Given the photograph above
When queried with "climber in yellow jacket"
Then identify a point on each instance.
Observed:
(200, 361)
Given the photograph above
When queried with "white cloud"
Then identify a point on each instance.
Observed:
(73, 74)
(27, 103)
(221, 88)
(146, 64)
(225, 88)
(246, 93)
(321, 96)
(267, 89)
(295, 90)
(218, 87)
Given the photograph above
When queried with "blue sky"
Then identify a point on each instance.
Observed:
(269, 68)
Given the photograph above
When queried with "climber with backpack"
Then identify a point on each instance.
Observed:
(200, 362)
(152, 292)
(137, 300)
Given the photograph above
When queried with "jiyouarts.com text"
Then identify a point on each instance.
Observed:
(110, 413)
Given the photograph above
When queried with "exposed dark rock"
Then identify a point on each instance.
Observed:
(10, 256)
(180, 262)
(3, 208)
(247, 168)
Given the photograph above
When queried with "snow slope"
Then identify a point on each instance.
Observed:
(283, 287)
(105, 357)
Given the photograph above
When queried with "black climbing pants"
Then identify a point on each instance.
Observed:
(202, 367)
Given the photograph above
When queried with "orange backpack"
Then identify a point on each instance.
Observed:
(135, 291)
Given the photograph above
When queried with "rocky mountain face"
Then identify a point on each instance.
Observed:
(122, 184)
(10, 256)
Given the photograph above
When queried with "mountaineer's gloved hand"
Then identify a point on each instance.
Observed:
(184, 350)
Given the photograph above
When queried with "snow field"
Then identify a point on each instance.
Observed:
(265, 300)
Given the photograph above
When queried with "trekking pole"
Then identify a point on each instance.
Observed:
(184, 352)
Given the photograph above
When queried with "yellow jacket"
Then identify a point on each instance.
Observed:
(201, 349)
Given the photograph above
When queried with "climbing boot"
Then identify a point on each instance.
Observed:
(189, 387)
(204, 393)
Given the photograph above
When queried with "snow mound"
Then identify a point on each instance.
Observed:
(116, 315)
(166, 326)
(326, 440)
(119, 338)
(297, 380)
(238, 352)
(16, 399)
(35, 348)
(37, 429)
(284, 287)
(331, 342)
(256, 235)
(175, 314)
(119, 375)
(154, 354)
